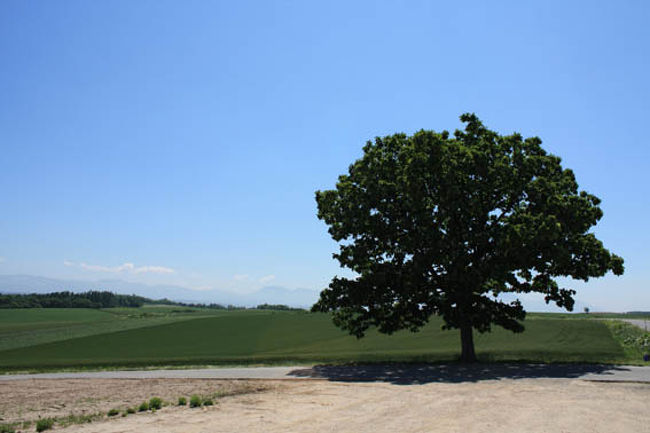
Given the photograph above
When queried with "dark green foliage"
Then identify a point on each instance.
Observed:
(211, 306)
(155, 403)
(166, 301)
(195, 401)
(44, 424)
(91, 299)
(278, 307)
(130, 410)
(144, 406)
(182, 401)
(440, 224)
(208, 402)
(113, 412)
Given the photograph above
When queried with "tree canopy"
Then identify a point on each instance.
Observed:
(90, 299)
(443, 224)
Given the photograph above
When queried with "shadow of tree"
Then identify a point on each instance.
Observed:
(407, 374)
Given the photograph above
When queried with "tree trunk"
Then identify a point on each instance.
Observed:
(467, 354)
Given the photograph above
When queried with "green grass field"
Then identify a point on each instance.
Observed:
(32, 326)
(68, 338)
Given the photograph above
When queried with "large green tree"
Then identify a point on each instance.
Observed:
(440, 224)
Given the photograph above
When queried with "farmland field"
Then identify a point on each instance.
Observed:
(28, 327)
(48, 338)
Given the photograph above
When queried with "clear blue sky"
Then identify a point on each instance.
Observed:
(181, 142)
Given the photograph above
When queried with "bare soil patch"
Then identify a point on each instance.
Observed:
(27, 400)
(508, 405)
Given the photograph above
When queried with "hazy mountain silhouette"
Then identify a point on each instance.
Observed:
(270, 295)
(303, 298)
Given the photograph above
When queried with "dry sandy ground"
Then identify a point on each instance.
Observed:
(508, 405)
(27, 400)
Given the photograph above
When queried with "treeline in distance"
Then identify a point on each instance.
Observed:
(91, 299)
(105, 299)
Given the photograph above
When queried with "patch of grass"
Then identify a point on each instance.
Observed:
(155, 403)
(44, 424)
(208, 401)
(22, 327)
(7, 428)
(79, 419)
(252, 337)
(130, 410)
(182, 401)
(113, 412)
(144, 406)
(195, 401)
(634, 340)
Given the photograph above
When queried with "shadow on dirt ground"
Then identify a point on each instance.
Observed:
(408, 374)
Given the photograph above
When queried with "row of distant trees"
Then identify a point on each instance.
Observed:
(91, 299)
(105, 299)
(279, 307)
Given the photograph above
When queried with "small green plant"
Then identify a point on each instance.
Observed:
(635, 341)
(143, 407)
(79, 419)
(155, 403)
(195, 401)
(7, 428)
(130, 410)
(208, 402)
(44, 424)
(182, 401)
(113, 412)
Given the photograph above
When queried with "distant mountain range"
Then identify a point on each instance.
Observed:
(303, 298)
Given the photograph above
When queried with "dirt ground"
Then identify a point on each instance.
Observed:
(28, 400)
(507, 405)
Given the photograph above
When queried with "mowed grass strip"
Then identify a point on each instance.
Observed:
(35, 318)
(276, 337)
(29, 326)
(32, 326)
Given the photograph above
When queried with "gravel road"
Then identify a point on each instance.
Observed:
(393, 373)
(643, 324)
